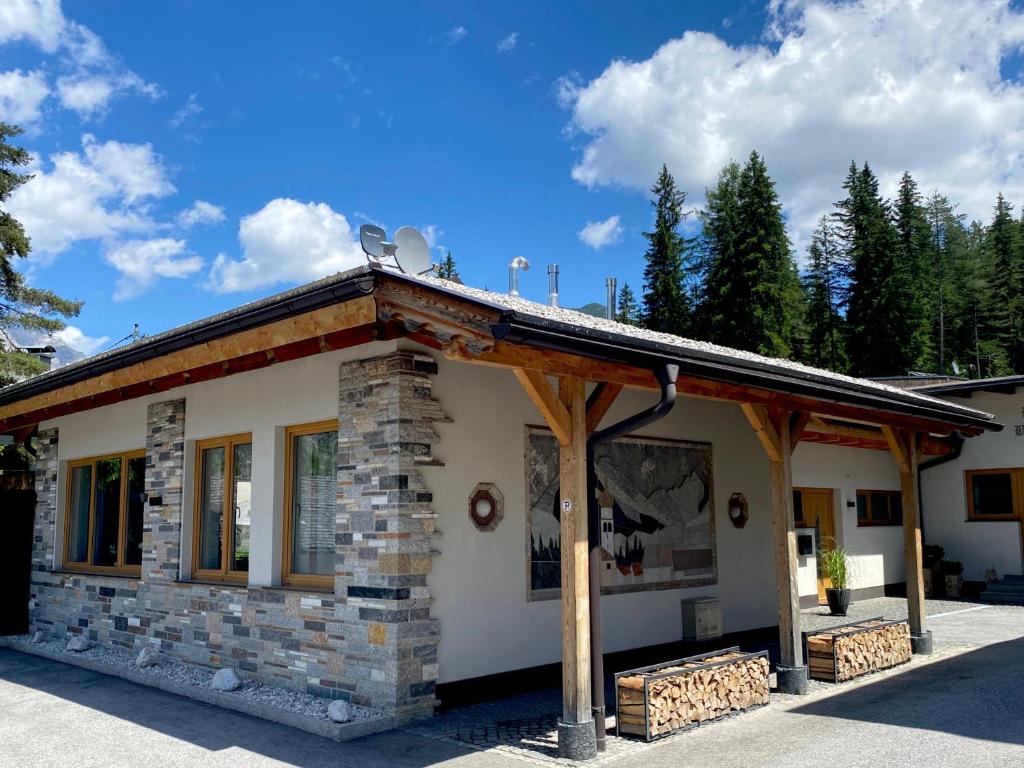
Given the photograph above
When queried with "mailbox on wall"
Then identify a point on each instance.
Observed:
(805, 543)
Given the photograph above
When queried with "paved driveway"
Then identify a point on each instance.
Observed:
(965, 709)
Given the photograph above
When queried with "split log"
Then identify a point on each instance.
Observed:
(846, 652)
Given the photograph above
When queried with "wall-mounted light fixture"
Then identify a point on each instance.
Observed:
(739, 510)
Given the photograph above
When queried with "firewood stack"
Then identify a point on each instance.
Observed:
(691, 693)
(842, 653)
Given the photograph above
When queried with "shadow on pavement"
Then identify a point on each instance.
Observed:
(959, 695)
(213, 728)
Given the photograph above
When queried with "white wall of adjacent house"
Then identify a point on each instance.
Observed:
(979, 544)
(876, 552)
(262, 402)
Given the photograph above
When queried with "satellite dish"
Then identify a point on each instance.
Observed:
(412, 252)
(373, 240)
(956, 369)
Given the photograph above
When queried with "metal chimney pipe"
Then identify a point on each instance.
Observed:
(514, 266)
(552, 285)
(610, 289)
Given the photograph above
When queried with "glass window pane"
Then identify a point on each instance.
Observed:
(78, 515)
(242, 498)
(896, 507)
(862, 506)
(211, 512)
(798, 509)
(993, 494)
(879, 507)
(106, 512)
(136, 506)
(314, 496)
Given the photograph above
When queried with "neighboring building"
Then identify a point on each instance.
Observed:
(360, 488)
(43, 353)
(974, 505)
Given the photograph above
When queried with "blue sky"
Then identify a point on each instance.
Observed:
(499, 129)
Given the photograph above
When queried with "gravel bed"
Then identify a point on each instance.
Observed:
(189, 674)
(887, 607)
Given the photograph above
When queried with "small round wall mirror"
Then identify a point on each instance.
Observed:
(738, 510)
(486, 506)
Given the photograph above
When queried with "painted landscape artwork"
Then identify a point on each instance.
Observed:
(657, 515)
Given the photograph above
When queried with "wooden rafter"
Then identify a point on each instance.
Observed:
(540, 392)
(796, 429)
(599, 402)
(764, 430)
(897, 447)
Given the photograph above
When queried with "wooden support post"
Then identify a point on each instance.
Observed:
(772, 429)
(907, 458)
(576, 734)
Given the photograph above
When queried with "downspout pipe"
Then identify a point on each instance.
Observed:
(956, 441)
(666, 376)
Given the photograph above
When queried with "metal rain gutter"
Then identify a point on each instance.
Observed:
(666, 375)
(517, 331)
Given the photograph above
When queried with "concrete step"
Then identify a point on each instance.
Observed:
(1002, 598)
(1006, 587)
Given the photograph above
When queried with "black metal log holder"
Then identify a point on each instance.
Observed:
(855, 628)
(680, 673)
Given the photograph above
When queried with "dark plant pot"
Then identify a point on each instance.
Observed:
(838, 600)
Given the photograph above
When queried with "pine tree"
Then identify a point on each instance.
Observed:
(666, 304)
(627, 312)
(824, 284)
(943, 223)
(973, 316)
(717, 248)
(447, 269)
(1004, 248)
(21, 306)
(753, 294)
(877, 338)
(911, 286)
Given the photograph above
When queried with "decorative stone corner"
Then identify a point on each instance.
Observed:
(486, 506)
(386, 530)
(45, 468)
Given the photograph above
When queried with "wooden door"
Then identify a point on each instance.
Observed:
(818, 513)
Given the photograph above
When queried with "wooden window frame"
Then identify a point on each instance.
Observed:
(1016, 492)
(224, 574)
(870, 522)
(120, 568)
(319, 582)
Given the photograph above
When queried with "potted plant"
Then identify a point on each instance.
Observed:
(951, 572)
(931, 556)
(834, 564)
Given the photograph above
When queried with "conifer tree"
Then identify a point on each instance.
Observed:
(1004, 247)
(824, 285)
(627, 312)
(448, 270)
(911, 286)
(877, 336)
(717, 248)
(752, 290)
(21, 306)
(666, 304)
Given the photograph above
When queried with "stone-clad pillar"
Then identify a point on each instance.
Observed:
(385, 531)
(165, 474)
(44, 527)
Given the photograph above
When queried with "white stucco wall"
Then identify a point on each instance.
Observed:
(979, 545)
(263, 402)
(479, 581)
(876, 552)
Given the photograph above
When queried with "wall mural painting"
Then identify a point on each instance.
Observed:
(657, 515)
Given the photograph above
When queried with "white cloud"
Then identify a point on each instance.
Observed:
(455, 35)
(201, 212)
(598, 234)
(287, 241)
(40, 21)
(99, 193)
(508, 43)
(75, 338)
(902, 85)
(93, 77)
(142, 262)
(188, 113)
(21, 95)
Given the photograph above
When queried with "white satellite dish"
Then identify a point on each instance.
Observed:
(412, 251)
(374, 242)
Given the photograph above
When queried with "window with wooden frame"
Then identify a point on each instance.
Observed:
(995, 494)
(879, 508)
(310, 503)
(223, 504)
(106, 497)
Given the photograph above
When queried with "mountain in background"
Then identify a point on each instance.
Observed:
(64, 354)
(593, 309)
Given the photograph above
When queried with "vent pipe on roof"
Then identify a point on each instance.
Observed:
(552, 285)
(610, 284)
(514, 266)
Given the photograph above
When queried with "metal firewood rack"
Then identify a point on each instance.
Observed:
(855, 628)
